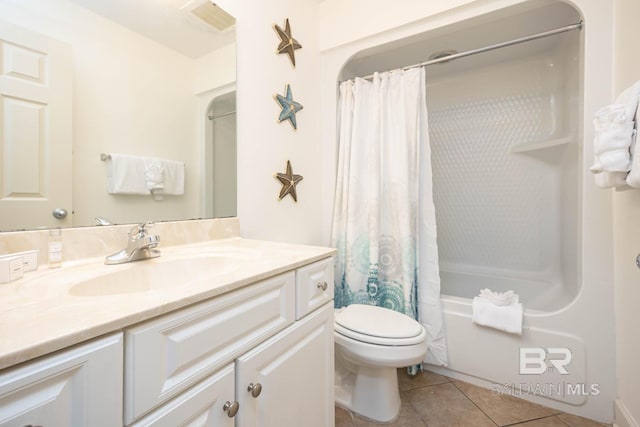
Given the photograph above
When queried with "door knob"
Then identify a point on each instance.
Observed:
(323, 286)
(59, 213)
(231, 408)
(255, 389)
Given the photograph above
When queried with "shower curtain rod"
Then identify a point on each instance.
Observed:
(211, 116)
(560, 30)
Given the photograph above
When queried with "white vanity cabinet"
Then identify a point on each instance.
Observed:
(241, 359)
(259, 355)
(78, 387)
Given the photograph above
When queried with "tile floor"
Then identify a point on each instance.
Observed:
(432, 400)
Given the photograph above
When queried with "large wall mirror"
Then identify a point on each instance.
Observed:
(81, 80)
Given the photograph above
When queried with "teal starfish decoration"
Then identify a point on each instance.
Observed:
(287, 44)
(289, 107)
(289, 182)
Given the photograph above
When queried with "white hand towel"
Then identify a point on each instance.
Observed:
(500, 298)
(126, 175)
(154, 177)
(614, 135)
(633, 179)
(173, 177)
(507, 318)
(611, 179)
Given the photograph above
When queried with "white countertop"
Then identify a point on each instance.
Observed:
(51, 309)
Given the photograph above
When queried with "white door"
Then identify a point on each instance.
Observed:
(294, 370)
(35, 129)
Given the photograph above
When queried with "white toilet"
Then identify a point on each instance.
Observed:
(370, 344)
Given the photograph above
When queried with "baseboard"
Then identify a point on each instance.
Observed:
(623, 417)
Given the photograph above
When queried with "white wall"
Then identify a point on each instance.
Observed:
(627, 233)
(264, 145)
(346, 21)
(215, 69)
(130, 95)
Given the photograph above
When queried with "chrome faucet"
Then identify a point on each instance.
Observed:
(140, 245)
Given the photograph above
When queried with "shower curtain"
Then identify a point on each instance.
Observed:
(384, 219)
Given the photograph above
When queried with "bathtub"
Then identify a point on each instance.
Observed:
(516, 208)
(492, 358)
(506, 153)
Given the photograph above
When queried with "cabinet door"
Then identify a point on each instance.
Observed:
(75, 388)
(200, 406)
(295, 370)
(167, 355)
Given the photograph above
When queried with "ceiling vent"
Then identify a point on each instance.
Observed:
(211, 14)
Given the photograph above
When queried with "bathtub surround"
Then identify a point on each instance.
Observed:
(384, 220)
(555, 315)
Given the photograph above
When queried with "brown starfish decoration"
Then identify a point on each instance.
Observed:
(289, 182)
(287, 44)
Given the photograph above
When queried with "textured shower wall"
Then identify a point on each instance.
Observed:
(499, 212)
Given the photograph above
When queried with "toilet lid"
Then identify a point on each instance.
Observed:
(378, 325)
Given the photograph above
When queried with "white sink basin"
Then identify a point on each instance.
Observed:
(150, 275)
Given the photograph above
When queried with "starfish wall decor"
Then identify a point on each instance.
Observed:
(289, 182)
(287, 44)
(289, 107)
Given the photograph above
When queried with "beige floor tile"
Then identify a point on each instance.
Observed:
(501, 408)
(553, 421)
(575, 421)
(408, 417)
(443, 405)
(421, 379)
(343, 418)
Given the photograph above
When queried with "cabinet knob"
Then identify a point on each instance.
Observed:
(231, 408)
(255, 389)
(323, 286)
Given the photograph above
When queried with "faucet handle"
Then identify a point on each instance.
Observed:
(140, 231)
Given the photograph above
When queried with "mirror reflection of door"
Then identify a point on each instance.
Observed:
(35, 130)
(221, 141)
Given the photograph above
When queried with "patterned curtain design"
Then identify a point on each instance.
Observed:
(384, 219)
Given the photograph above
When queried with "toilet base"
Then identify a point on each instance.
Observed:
(370, 392)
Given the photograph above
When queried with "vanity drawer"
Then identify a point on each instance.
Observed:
(165, 356)
(205, 400)
(314, 286)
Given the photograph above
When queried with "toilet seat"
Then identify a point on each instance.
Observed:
(377, 325)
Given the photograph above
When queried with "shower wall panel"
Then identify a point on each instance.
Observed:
(501, 138)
